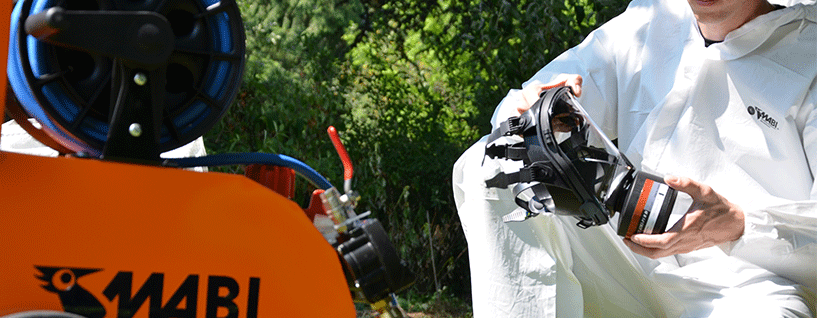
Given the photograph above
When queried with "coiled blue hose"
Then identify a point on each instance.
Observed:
(255, 158)
(64, 118)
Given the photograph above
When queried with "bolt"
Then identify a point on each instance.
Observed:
(135, 130)
(140, 79)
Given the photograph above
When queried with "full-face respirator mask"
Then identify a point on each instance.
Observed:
(572, 168)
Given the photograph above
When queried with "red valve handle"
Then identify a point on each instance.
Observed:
(348, 170)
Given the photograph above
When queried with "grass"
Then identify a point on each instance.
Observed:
(440, 304)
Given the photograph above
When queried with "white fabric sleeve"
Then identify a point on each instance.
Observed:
(787, 233)
(512, 274)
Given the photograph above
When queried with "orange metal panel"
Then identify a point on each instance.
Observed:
(206, 239)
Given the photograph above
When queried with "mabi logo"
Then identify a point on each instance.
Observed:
(75, 299)
(762, 116)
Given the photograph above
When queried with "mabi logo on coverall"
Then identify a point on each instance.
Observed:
(220, 299)
(762, 116)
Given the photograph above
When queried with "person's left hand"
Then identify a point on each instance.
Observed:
(530, 93)
(711, 220)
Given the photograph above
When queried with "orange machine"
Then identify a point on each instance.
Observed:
(112, 230)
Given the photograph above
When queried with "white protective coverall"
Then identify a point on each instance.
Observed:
(739, 116)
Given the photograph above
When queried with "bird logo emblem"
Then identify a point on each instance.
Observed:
(74, 298)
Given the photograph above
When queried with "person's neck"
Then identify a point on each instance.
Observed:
(717, 31)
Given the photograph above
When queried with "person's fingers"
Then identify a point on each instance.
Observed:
(661, 241)
(653, 253)
(710, 220)
(530, 93)
(574, 81)
(695, 189)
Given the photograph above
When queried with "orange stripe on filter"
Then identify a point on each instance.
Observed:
(639, 208)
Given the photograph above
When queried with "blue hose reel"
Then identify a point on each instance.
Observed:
(125, 78)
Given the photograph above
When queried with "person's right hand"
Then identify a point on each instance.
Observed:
(711, 220)
(530, 94)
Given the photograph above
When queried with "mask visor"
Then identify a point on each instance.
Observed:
(599, 166)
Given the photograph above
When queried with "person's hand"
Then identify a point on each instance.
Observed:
(530, 94)
(711, 220)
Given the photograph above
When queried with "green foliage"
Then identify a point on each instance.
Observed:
(291, 90)
(410, 84)
(504, 43)
(411, 123)
(441, 303)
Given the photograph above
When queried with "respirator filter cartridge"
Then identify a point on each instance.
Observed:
(647, 205)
